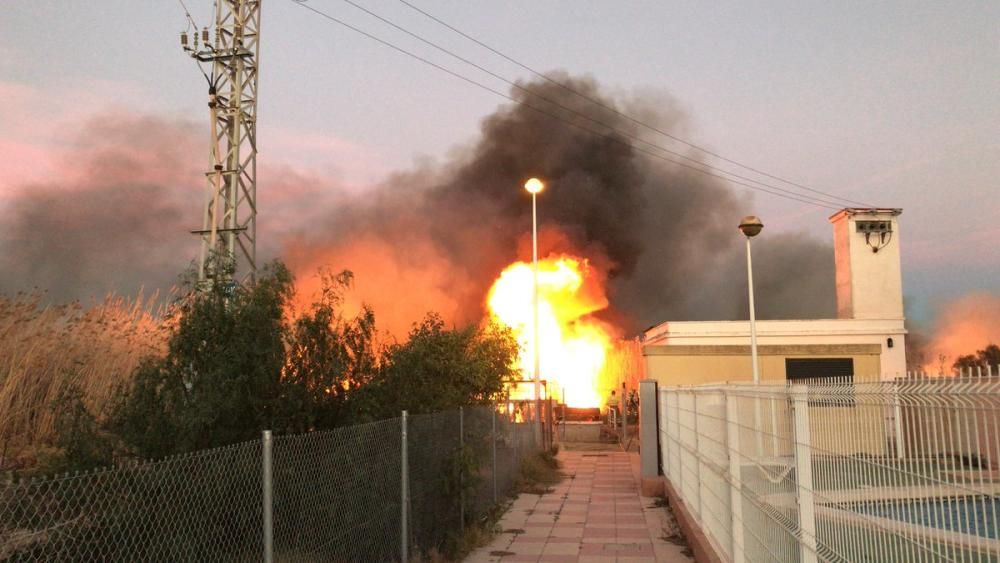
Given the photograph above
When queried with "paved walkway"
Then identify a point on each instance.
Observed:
(594, 515)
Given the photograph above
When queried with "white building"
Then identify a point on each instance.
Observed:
(865, 342)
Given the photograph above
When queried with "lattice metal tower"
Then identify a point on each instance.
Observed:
(229, 225)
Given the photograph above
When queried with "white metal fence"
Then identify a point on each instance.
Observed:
(385, 491)
(893, 471)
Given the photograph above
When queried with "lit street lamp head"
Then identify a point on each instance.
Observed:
(751, 226)
(534, 185)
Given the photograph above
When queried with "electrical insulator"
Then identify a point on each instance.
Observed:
(204, 36)
(184, 39)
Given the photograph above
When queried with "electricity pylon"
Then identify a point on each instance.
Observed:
(229, 225)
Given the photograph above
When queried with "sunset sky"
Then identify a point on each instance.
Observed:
(895, 102)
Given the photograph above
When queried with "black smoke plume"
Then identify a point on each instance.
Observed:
(435, 237)
(666, 234)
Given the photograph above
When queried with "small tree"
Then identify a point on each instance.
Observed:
(220, 381)
(988, 357)
(966, 362)
(439, 369)
(329, 358)
(82, 443)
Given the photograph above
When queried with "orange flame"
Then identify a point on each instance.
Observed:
(573, 346)
(966, 324)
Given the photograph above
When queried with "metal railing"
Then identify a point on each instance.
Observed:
(885, 471)
(383, 491)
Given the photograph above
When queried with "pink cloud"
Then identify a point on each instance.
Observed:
(952, 251)
(40, 134)
(23, 163)
(356, 166)
(39, 127)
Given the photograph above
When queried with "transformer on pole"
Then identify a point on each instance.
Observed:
(229, 224)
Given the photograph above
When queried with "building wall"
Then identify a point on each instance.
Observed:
(869, 330)
(869, 284)
(842, 258)
(811, 338)
(697, 365)
(700, 353)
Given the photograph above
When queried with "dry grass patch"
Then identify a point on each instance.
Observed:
(45, 347)
(539, 472)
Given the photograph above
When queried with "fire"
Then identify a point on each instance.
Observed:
(573, 346)
(966, 324)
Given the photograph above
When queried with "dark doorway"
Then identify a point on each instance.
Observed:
(819, 370)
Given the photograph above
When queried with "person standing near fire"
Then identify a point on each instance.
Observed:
(612, 407)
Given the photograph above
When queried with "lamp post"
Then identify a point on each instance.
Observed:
(533, 186)
(751, 227)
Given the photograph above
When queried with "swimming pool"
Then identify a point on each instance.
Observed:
(970, 515)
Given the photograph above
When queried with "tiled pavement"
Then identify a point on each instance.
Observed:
(594, 515)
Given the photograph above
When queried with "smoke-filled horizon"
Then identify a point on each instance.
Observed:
(433, 238)
(962, 326)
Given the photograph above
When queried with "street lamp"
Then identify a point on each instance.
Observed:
(751, 227)
(533, 186)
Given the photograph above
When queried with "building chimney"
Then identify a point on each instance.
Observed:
(866, 249)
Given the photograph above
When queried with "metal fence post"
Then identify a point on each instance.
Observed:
(897, 416)
(551, 437)
(461, 468)
(678, 443)
(663, 430)
(494, 442)
(623, 402)
(267, 480)
(648, 426)
(774, 427)
(404, 495)
(803, 474)
(735, 474)
(697, 460)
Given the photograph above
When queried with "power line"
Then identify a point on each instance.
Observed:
(194, 24)
(601, 104)
(787, 194)
(782, 193)
(830, 200)
(187, 14)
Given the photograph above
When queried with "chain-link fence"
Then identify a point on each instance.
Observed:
(494, 449)
(324, 496)
(337, 494)
(205, 505)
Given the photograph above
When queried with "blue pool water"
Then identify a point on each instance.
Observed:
(971, 515)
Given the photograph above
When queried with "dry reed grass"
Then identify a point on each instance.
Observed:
(44, 347)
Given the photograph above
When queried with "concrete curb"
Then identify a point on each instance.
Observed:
(697, 541)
